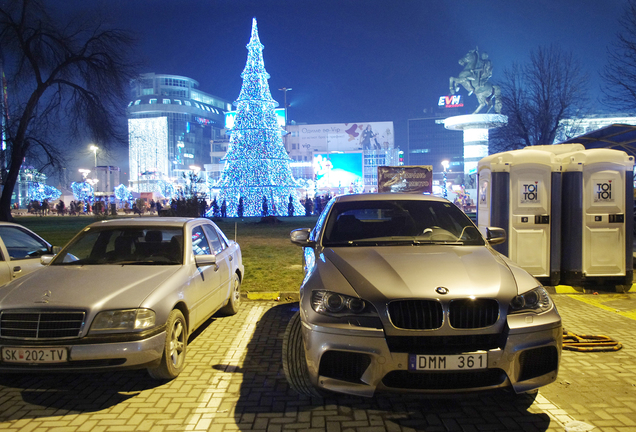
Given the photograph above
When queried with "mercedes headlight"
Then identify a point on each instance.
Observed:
(125, 320)
(536, 300)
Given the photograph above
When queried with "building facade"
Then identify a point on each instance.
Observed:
(107, 177)
(172, 126)
(430, 143)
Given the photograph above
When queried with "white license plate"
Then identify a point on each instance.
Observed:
(427, 362)
(34, 355)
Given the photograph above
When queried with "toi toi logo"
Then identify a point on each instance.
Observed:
(604, 191)
(530, 192)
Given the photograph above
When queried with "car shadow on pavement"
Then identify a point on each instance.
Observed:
(38, 395)
(266, 401)
(24, 395)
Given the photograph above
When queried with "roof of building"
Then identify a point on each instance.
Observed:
(615, 136)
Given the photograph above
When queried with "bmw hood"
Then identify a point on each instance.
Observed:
(79, 287)
(384, 273)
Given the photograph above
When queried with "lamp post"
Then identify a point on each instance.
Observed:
(94, 149)
(445, 189)
(285, 90)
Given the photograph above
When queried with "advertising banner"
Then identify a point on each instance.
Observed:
(409, 179)
(347, 136)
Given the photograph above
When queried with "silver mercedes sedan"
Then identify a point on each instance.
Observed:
(123, 293)
(403, 293)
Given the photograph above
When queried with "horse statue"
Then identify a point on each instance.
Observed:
(474, 78)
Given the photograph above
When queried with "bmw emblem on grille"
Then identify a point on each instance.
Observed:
(441, 290)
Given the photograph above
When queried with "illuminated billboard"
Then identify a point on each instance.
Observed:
(230, 116)
(453, 101)
(347, 136)
(409, 179)
(341, 169)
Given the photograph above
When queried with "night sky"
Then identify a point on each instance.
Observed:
(354, 61)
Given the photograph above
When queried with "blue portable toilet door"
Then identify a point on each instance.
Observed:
(530, 202)
(604, 220)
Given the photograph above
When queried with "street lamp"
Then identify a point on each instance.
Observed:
(445, 188)
(94, 148)
(285, 90)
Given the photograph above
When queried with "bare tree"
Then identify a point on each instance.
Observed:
(619, 87)
(538, 95)
(64, 81)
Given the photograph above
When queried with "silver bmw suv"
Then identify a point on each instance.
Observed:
(402, 292)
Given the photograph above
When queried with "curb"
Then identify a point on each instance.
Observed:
(282, 296)
(294, 296)
(566, 289)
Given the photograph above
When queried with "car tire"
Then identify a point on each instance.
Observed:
(294, 361)
(234, 302)
(174, 351)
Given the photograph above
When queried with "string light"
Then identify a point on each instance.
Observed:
(148, 154)
(122, 193)
(40, 192)
(256, 163)
(82, 191)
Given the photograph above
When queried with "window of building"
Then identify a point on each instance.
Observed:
(187, 103)
(166, 101)
(152, 101)
(137, 102)
(177, 101)
(147, 91)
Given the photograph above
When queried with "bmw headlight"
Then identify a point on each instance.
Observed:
(123, 320)
(335, 304)
(536, 300)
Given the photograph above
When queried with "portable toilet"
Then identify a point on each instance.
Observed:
(597, 228)
(520, 191)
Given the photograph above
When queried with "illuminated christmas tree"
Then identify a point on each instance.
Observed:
(256, 164)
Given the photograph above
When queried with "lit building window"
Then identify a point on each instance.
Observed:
(153, 101)
(137, 102)
(166, 101)
(177, 101)
(187, 103)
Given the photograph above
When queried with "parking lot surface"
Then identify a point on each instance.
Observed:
(234, 381)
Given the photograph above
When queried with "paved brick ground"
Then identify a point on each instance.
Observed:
(234, 381)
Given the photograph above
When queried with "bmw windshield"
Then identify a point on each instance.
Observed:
(399, 222)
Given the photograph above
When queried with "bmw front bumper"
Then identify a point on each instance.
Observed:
(360, 361)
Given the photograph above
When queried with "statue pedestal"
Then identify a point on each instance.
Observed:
(475, 127)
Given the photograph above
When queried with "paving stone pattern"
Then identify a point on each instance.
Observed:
(234, 381)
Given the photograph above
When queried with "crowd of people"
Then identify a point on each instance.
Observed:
(175, 207)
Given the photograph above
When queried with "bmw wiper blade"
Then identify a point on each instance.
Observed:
(438, 242)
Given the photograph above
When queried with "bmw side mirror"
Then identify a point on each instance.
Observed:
(300, 237)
